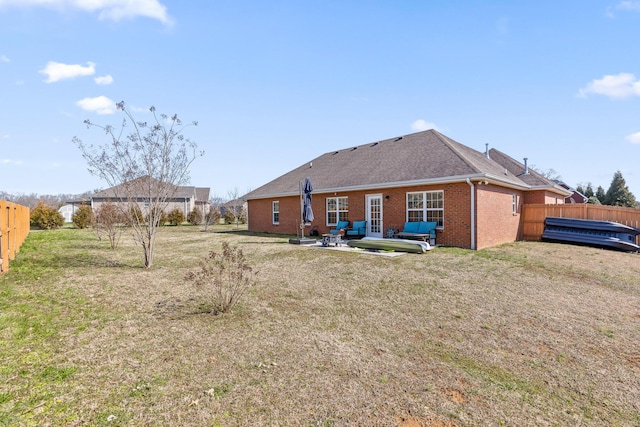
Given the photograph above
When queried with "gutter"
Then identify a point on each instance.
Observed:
(473, 214)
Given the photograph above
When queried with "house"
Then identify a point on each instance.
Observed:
(237, 208)
(67, 212)
(475, 197)
(185, 198)
(575, 197)
(71, 207)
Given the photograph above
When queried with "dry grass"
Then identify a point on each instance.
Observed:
(522, 334)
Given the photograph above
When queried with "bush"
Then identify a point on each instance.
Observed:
(162, 219)
(230, 217)
(175, 217)
(45, 217)
(134, 216)
(108, 220)
(213, 216)
(83, 217)
(195, 217)
(223, 278)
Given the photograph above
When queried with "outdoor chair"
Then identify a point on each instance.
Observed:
(341, 225)
(359, 229)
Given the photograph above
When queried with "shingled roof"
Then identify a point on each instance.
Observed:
(140, 188)
(427, 157)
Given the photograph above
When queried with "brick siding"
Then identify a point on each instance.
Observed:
(495, 221)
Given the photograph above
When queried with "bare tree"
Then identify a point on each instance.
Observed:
(235, 205)
(143, 168)
(213, 215)
(108, 220)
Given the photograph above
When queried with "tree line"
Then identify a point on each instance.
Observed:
(618, 193)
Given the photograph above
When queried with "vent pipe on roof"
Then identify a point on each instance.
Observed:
(526, 167)
(486, 150)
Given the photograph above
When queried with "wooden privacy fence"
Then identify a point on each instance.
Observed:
(532, 218)
(14, 228)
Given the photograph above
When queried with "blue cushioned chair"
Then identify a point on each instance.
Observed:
(341, 225)
(359, 229)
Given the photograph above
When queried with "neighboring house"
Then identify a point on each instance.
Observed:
(476, 198)
(184, 198)
(575, 197)
(69, 208)
(235, 205)
(67, 212)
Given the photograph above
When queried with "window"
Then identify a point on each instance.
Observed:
(337, 209)
(275, 212)
(514, 204)
(426, 206)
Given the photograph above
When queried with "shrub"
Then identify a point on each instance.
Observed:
(223, 278)
(195, 217)
(230, 217)
(162, 218)
(108, 220)
(83, 217)
(134, 216)
(175, 217)
(45, 217)
(213, 216)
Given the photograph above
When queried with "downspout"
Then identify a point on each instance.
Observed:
(473, 214)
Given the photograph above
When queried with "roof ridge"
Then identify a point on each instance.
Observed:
(452, 145)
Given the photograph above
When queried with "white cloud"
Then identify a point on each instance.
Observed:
(104, 80)
(4, 58)
(9, 161)
(56, 71)
(420, 125)
(629, 5)
(108, 9)
(622, 85)
(634, 138)
(99, 104)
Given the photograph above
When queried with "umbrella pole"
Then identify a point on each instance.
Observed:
(301, 210)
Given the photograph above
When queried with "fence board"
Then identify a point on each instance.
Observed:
(532, 218)
(14, 228)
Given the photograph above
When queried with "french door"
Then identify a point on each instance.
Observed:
(374, 215)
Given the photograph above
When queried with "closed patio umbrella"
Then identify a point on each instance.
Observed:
(307, 212)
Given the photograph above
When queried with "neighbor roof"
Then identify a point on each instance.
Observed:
(140, 186)
(427, 157)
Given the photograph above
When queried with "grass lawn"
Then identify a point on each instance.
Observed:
(524, 334)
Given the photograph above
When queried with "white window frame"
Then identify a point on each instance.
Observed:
(341, 209)
(426, 206)
(514, 204)
(275, 210)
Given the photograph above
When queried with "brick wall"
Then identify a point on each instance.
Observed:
(495, 221)
(542, 198)
(456, 230)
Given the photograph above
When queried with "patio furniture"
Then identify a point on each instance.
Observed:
(332, 239)
(341, 225)
(419, 230)
(359, 229)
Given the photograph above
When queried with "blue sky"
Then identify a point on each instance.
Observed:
(276, 84)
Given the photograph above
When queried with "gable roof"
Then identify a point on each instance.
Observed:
(427, 157)
(139, 187)
(527, 175)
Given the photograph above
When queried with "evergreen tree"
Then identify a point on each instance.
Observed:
(593, 200)
(588, 192)
(618, 193)
(600, 194)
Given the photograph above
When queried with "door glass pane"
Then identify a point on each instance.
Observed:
(376, 217)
